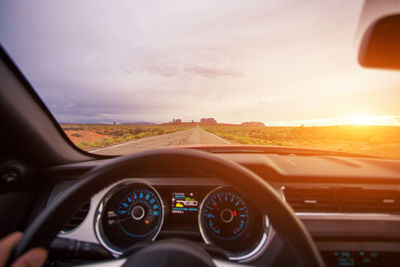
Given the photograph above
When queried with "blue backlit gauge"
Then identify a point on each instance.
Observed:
(224, 215)
(232, 222)
(130, 212)
(139, 213)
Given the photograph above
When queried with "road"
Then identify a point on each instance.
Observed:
(193, 136)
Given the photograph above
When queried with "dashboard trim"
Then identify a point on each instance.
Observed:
(348, 216)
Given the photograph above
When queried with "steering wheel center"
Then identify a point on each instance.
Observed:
(171, 252)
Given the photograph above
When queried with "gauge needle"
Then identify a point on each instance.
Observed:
(119, 221)
(134, 202)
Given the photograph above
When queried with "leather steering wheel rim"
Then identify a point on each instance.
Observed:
(291, 230)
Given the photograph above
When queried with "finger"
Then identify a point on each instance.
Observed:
(7, 244)
(33, 258)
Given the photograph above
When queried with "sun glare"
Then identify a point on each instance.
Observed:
(350, 120)
(363, 120)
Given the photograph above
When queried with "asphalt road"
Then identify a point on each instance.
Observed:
(193, 136)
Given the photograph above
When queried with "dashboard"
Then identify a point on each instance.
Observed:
(203, 210)
(350, 206)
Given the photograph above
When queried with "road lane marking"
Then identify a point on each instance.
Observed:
(219, 138)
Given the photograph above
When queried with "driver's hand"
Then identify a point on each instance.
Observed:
(32, 258)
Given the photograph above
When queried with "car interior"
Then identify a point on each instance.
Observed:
(196, 205)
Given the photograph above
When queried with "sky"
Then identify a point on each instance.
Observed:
(279, 62)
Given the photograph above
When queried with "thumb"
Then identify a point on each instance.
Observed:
(33, 258)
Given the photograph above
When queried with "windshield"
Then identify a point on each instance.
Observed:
(122, 76)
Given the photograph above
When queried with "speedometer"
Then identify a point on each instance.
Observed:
(139, 213)
(129, 213)
(230, 221)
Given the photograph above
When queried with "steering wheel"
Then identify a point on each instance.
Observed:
(50, 221)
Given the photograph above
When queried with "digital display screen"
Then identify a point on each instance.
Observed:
(184, 202)
(182, 205)
(360, 258)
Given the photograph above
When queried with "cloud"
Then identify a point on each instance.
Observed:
(69, 105)
(166, 71)
(212, 73)
(189, 72)
(234, 60)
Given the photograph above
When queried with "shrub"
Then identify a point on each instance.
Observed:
(76, 135)
(159, 130)
(108, 141)
(137, 130)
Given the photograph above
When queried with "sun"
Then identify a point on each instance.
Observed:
(363, 120)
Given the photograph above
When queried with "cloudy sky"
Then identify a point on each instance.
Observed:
(273, 61)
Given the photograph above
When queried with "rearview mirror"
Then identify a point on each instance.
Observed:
(380, 45)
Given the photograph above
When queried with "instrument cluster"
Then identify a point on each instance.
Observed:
(134, 211)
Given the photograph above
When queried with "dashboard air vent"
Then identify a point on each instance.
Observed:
(321, 200)
(78, 218)
(371, 201)
(354, 200)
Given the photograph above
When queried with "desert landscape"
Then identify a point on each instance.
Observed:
(381, 141)
(94, 136)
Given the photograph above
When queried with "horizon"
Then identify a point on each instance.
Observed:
(393, 121)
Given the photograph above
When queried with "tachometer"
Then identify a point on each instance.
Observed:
(230, 221)
(226, 215)
(129, 213)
